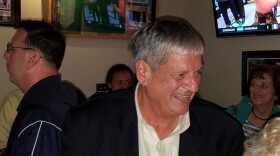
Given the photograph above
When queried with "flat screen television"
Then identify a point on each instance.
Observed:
(242, 19)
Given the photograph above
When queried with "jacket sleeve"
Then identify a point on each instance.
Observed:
(40, 138)
(237, 144)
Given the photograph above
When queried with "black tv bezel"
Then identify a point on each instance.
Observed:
(240, 34)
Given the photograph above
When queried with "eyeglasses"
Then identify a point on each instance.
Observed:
(11, 48)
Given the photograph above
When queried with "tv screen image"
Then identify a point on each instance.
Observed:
(246, 17)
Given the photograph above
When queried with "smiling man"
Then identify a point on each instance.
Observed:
(159, 116)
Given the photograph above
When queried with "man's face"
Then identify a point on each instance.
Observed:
(172, 86)
(121, 80)
(16, 57)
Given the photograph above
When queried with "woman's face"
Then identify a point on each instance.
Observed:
(262, 91)
(121, 80)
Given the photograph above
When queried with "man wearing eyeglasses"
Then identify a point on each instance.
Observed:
(33, 58)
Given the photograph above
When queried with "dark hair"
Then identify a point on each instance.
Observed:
(45, 37)
(116, 68)
(259, 70)
(276, 80)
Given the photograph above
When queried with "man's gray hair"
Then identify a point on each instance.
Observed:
(167, 35)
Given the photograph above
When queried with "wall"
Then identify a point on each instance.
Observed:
(87, 60)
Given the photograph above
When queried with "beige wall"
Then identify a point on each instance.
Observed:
(87, 60)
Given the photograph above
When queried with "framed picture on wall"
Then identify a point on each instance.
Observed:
(9, 12)
(100, 18)
(251, 58)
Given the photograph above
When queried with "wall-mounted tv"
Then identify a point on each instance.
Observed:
(246, 17)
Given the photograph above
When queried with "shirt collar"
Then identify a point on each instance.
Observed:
(36, 88)
(184, 121)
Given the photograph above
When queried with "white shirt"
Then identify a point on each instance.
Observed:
(150, 144)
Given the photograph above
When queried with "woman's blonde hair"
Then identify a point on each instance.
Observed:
(266, 142)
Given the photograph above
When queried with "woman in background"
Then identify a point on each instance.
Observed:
(262, 101)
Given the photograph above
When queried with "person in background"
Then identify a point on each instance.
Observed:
(266, 142)
(120, 8)
(224, 5)
(8, 112)
(93, 7)
(33, 58)
(158, 116)
(103, 11)
(239, 4)
(118, 77)
(261, 102)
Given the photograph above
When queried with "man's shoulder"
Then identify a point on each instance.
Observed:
(53, 98)
(210, 113)
(12, 98)
(108, 105)
(205, 107)
(205, 103)
(36, 115)
(16, 93)
(37, 112)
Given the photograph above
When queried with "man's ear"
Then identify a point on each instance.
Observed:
(33, 58)
(143, 71)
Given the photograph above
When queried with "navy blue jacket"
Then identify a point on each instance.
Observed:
(108, 126)
(38, 126)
